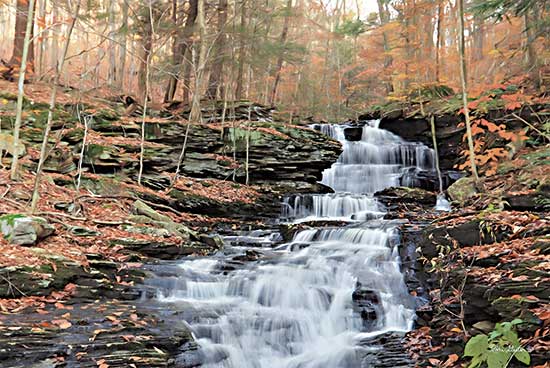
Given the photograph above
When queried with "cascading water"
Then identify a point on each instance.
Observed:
(379, 160)
(312, 302)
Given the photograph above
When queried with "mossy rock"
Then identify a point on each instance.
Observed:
(462, 190)
(24, 230)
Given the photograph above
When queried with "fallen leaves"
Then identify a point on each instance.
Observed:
(62, 323)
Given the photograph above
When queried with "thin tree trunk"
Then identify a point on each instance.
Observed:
(279, 67)
(242, 53)
(49, 122)
(215, 76)
(463, 78)
(123, 46)
(438, 42)
(21, 91)
(531, 51)
(43, 44)
(112, 76)
(436, 152)
(384, 19)
(54, 46)
(151, 33)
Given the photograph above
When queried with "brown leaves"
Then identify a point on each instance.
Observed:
(62, 323)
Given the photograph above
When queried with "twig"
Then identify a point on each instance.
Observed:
(12, 202)
(531, 126)
(62, 215)
(12, 286)
(7, 191)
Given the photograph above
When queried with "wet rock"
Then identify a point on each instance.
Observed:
(288, 230)
(213, 241)
(24, 230)
(395, 195)
(365, 302)
(249, 256)
(386, 350)
(353, 134)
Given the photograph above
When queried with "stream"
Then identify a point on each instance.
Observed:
(315, 301)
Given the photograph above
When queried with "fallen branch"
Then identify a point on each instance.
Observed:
(541, 133)
(12, 286)
(110, 223)
(152, 204)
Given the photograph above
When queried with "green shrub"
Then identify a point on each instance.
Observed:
(498, 348)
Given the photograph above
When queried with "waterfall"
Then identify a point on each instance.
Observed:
(331, 206)
(379, 160)
(309, 303)
(285, 312)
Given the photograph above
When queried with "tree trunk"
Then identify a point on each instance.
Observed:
(478, 35)
(147, 45)
(279, 66)
(182, 44)
(19, 109)
(199, 66)
(123, 46)
(54, 47)
(43, 46)
(112, 76)
(463, 78)
(49, 122)
(439, 39)
(384, 19)
(21, 29)
(215, 82)
(150, 33)
(242, 54)
(531, 59)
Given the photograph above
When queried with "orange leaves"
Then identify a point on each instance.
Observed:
(491, 126)
(486, 156)
(514, 101)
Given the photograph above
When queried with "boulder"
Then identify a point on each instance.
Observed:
(462, 190)
(24, 230)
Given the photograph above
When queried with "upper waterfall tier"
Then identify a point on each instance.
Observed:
(378, 160)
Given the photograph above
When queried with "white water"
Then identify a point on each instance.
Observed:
(379, 160)
(294, 308)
